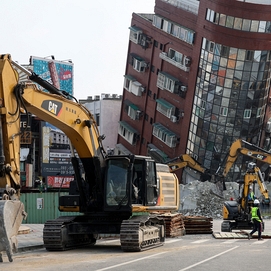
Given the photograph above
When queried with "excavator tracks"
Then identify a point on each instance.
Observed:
(56, 237)
(141, 233)
(136, 234)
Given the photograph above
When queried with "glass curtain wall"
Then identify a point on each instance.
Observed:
(230, 101)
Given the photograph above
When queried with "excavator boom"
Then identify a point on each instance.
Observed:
(71, 117)
(106, 190)
(252, 151)
(185, 160)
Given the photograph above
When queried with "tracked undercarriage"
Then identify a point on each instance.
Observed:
(136, 234)
(141, 233)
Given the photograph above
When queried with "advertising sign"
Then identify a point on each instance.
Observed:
(56, 156)
(58, 73)
(59, 181)
(25, 126)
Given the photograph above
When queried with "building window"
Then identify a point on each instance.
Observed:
(176, 56)
(133, 112)
(179, 31)
(165, 135)
(97, 117)
(247, 113)
(138, 63)
(224, 111)
(249, 55)
(165, 108)
(133, 86)
(259, 112)
(128, 132)
(237, 23)
(168, 82)
(128, 80)
(135, 34)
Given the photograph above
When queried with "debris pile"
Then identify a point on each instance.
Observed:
(174, 224)
(205, 198)
(198, 224)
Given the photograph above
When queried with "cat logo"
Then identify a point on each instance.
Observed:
(53, 107)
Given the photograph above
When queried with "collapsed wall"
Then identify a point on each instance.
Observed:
(207, 198)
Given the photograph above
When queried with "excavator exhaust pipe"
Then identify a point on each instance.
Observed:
(11, 215)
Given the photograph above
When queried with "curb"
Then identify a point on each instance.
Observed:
(29, 248)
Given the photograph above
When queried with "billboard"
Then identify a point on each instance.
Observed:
(58, 73)
(56, 156)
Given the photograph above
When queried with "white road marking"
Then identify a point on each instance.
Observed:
(172, 241)
(231, 241)
(257, 242)
(200, 241)
(125, 263)
(208, 259)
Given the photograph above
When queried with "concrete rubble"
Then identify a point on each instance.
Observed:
(207, 198)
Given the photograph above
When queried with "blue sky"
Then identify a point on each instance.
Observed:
(93, 34)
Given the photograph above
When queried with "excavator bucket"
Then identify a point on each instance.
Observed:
(11, 216)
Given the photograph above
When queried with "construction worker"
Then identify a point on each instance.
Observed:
(256, 219)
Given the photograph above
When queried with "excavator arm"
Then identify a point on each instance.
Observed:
(185, 160)
(69, 116)
(237, 148)
(253, 176)
(262, 185)
(57, 109)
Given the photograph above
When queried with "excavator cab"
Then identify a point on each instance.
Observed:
(128, 181)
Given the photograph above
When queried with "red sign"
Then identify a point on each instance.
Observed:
(59, 181)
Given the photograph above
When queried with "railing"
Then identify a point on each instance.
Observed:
(164, 56)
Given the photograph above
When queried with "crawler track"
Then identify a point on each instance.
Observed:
(56, 237)
(141, 233)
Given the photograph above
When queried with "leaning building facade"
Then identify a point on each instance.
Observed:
(197, 78)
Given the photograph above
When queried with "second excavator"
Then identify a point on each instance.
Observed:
(236, 213)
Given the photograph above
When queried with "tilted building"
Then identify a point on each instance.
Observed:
(197, 78)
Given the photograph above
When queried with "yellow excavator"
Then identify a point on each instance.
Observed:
(236, 213)
(113, 188)
(185, 160)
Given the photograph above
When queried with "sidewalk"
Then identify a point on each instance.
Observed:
(30, 237)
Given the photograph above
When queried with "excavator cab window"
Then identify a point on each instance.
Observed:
(116, 182)
(151, 181)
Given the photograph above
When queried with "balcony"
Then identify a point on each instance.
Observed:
(164, 56)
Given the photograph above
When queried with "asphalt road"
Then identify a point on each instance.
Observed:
(190, 252)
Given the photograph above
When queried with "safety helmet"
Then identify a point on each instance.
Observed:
(256, 201)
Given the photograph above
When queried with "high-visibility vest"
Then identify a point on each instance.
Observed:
(254, 214)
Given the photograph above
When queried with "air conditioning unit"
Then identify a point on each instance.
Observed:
(173, 118)
(187, 61)
(143, 89)
(184, 88)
